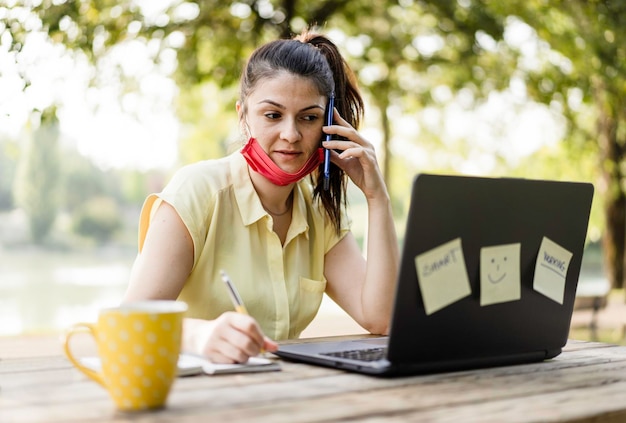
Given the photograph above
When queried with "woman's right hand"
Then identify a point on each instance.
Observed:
(231, 338)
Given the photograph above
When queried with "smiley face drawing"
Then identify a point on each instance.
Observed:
(500, 274)
(497, 272)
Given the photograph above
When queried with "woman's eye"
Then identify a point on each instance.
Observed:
(310, 118)
(272, 115)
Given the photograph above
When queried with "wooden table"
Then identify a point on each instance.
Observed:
(587, 382)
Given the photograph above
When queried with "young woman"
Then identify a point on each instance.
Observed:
(263, 216)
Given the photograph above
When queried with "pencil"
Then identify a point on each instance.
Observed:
(236, 299)
(234, 295)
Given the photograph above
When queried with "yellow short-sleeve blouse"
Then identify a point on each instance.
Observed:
(281, 285)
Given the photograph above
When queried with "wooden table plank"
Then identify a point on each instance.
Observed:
(587, 381)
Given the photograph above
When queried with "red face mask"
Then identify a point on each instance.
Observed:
(260, 162)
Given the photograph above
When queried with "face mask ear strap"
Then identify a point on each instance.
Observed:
(246, 131)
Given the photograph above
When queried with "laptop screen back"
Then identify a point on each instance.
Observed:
(490, 267)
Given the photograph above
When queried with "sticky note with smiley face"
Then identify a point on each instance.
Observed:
(500, 274)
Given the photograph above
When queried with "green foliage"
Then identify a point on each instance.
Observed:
(98, 218)
(209, 122)
(36, 183)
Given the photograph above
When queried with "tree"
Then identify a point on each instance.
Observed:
(36, 182)
(584, 75)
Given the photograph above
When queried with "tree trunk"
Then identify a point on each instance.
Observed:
(611, 159)
(613, 240)
(381, 100)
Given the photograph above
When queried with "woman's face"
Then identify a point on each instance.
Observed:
(285, 114)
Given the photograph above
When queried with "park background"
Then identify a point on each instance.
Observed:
(101, 100)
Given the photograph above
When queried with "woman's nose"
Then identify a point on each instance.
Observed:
(289, 131)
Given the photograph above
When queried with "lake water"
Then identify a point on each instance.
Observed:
(42, 291)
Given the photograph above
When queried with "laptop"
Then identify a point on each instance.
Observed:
(488, 277)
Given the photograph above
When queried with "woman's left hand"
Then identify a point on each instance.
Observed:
(357, 157)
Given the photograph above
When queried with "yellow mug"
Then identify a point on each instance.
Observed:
(138, 345)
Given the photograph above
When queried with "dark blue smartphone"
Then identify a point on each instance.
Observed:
(327, 137)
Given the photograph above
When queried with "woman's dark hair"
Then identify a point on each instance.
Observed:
(312, 56)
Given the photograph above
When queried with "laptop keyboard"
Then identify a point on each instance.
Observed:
(368, 354)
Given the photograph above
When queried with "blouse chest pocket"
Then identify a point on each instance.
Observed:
(310, 293)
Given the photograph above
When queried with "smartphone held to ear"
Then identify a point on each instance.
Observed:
(327, 137)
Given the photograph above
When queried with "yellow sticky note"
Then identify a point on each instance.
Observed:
(442, 276)
(500, 274)
(551, 270)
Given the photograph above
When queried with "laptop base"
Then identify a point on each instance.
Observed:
(302, 353)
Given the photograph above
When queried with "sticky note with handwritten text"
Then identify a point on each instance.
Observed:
(500, 274)
(442, 276)
(551, 270)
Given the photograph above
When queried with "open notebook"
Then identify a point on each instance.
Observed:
(191, 365)
(488, 277)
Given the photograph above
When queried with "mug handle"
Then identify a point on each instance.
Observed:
(73, 330)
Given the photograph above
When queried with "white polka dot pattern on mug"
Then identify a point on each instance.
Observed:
(139, 353)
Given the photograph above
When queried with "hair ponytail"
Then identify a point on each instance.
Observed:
(349, 104)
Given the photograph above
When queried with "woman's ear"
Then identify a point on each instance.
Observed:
(239, 108)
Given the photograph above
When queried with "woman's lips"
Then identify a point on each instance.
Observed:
(289, 155)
